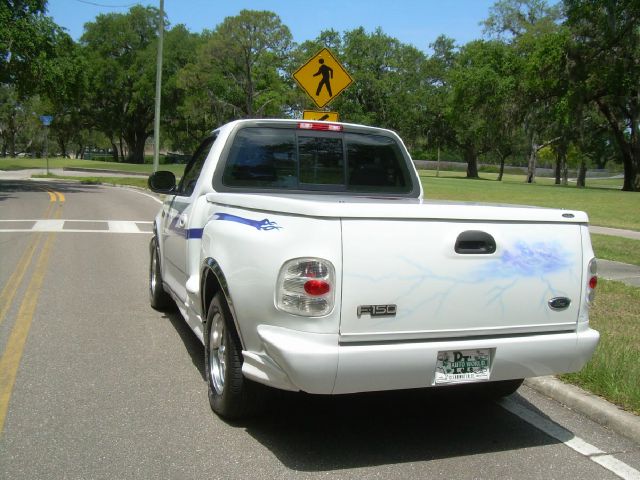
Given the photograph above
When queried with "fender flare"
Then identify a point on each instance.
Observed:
(213, 280)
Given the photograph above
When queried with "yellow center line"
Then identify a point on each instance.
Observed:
(11, 287)
(10, 360)
(60, 196)
(52, 196)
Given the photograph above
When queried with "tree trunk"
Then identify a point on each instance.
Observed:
(631, 173)
(501, 172)
(114, 154)
(533, 159)
(561, 164)
(63, 147)
(135, 145)
(582, 174)
(472, 162)
(628, 145)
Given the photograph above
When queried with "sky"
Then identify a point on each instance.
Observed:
(415, 22)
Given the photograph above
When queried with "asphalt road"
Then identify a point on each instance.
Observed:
(96, 384)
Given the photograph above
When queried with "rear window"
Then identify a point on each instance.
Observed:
(285, 159)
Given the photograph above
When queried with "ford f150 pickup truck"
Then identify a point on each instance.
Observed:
(305, 258)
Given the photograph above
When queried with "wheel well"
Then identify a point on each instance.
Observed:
(210, 286)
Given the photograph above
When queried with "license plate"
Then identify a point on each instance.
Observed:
(463, 366)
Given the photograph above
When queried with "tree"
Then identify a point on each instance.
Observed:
(605, 71)
(120, 51)
(482, 108)
(179, 128)
(239, 70)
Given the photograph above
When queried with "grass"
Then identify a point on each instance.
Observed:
(605, 206)
(57, 163)
(616, 248)
(614, 370)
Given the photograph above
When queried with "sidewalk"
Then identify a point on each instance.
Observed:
(615, 232)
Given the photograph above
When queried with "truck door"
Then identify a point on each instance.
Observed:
(177, 229)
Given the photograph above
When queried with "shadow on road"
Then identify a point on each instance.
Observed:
(326, 433)
(13, 186)
(191, 342)
(322, 433)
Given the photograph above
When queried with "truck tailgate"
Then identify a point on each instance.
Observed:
(404, 279)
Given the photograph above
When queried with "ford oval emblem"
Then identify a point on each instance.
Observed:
(559, 303)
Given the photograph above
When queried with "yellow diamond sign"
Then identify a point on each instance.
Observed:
(323, 77)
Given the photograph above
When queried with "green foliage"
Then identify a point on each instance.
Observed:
(237, 71)
(120, 48)
(561, 81)
(614, 369)
(618, 249)
(605, 71)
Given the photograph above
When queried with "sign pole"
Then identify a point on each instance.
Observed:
(46, 121)
(156, 120)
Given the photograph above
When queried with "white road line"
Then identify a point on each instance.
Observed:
(66, 230)
(554, 430)
(145, 194)
(123, 227)
(48, 226)
(57, 226)
(26, 220)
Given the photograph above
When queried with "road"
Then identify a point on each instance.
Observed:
(94, 384)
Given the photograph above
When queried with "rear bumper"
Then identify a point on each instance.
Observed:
(317, 363)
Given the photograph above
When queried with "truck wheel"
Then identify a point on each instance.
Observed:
(230, 394)
(158, 298)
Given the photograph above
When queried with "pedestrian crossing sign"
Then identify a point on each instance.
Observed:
(323, 78)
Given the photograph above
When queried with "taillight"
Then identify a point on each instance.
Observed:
(306, 287)
(593, 280)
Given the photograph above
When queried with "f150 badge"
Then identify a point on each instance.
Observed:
(377, 310)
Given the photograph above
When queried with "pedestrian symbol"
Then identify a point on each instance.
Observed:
(323, 78)
(327, 74)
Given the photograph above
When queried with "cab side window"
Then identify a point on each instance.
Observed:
(194, 167)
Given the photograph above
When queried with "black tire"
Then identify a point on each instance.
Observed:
(231, 395)
(158, 297)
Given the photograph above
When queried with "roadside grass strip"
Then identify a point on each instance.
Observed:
(614, 370)
(618, 249)
(605, 207)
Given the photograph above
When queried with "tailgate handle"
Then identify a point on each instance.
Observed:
(475, 242)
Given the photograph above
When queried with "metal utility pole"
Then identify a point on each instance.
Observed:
(156, 121)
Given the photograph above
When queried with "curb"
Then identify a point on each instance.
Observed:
(599, 410)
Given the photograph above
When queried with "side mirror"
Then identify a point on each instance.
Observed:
(162, 182)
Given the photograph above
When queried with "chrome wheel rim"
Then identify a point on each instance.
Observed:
(217, 363)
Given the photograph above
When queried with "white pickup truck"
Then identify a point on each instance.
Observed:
(304, 257)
